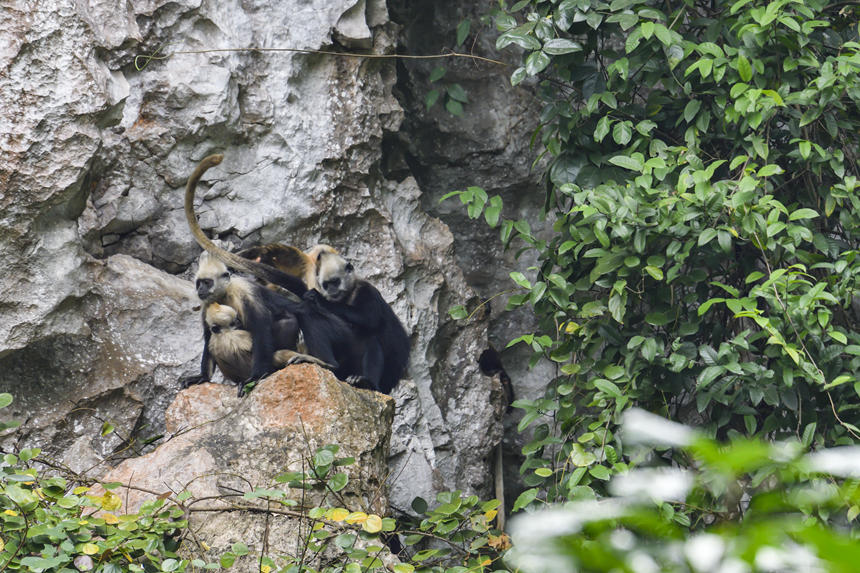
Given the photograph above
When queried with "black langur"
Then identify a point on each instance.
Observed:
(385, 342)
(231, 346)
(273, 317)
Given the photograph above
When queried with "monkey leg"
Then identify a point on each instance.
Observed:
(287, 357)
(187, 381)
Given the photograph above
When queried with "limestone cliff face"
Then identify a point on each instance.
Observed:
(98, 317)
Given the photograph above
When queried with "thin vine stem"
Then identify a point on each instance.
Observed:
(143, 60)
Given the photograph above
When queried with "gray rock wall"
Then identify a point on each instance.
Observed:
(489, 146)
(98, 318)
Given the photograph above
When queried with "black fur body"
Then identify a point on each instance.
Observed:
(384, 343)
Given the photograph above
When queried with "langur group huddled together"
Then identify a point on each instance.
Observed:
(253, 326)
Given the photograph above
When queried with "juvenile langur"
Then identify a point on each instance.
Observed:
(266, 313)
(230, 346)
(289, 259)
(385, 342)
(270, 325)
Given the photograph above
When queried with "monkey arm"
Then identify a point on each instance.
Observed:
(365, 312)
(207, 364)
(260, 323)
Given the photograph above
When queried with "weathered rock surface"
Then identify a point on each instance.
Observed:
(219, 446)
(96, 323)
(488, 146)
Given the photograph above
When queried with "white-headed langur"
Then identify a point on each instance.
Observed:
(384, 340)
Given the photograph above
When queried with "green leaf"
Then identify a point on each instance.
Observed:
(602, 129)
(663, 34)
(706, 236)
(768, 170)
(622, 132)
(324, 457)
(518, 38)
(655, 272)
(525, 498)
(837, 336)
(457, 92)
(5, 399)
(493, 211)
(107, 428)
(607, 387)
(600, 472)
(521, 280)
(338, 482)
(691, 109)
(458, 312)
(744, 68)
(627, 162)
(536, 62)
(431, 98)
(804, 213)
(708, 375)
(518, 76)
(559, 46)
(463, 31)
(419, 505)
(437, 74)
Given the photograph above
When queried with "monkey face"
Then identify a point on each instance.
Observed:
(335, 277)
(212, 278)
(211, 289)
(222, 318)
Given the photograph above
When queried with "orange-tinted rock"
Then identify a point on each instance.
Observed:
(220, 444)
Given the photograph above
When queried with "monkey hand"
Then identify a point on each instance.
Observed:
(359, 382)
(311, 296)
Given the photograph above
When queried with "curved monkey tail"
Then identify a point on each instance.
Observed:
(260, 270)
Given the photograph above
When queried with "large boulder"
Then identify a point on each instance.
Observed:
(219, 446)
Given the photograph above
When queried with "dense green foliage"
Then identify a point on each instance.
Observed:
(788, 495)
(48, 523)
(703, 256)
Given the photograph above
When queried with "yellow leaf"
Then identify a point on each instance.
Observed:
(205, 546)
(265, 569)
(83, 522)
(80, 489)
(491, 515)
(110, 519)
(90, 548)
(486, 562)
(2, 544)
(356, 517)
(337, 514)
(570, 327)
(10, 512)
(111, 501)
(373, 524)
